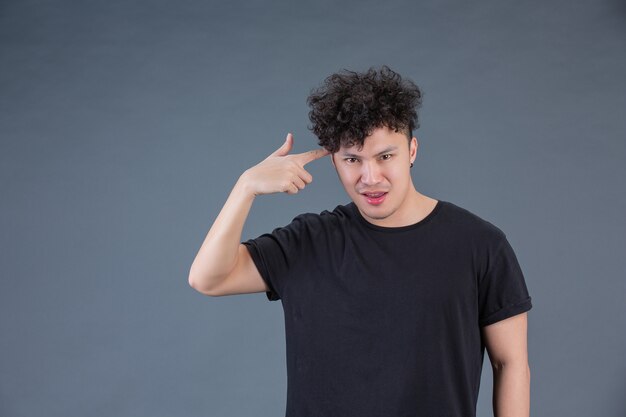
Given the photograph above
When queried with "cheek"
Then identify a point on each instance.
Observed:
(395, 180)
(346, 176)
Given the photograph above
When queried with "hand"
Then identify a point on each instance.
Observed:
(281, 172)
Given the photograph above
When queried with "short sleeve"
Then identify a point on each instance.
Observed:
(275, 253)
(502, 291)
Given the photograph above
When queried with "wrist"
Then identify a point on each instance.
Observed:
(243, 184)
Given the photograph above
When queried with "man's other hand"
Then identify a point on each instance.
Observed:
(282, 172)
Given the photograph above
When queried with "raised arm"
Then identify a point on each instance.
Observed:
(220, 256)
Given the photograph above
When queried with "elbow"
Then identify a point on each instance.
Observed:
(191, 279)
(197, 285)
(192, 282)
(201, 285)
(517, 367)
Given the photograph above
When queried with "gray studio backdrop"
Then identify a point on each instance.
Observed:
(124, 125)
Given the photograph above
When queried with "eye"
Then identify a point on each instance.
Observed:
(349, 160)
(387, 154)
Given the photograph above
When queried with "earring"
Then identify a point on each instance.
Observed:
(411, 165)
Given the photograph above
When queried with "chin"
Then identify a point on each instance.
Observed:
(377, 213)
(379, 216)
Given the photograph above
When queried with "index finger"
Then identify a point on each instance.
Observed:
(310, 156)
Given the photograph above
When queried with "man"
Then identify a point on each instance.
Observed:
(390, 300)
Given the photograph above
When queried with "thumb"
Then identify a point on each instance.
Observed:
(285, 148)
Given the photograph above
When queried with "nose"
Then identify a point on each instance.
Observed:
(371, 173)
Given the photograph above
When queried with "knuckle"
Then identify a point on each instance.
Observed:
(295, 165)
(306, 176)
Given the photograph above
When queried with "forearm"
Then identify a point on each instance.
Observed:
(218, 254)
(279, 172)
(511, 391)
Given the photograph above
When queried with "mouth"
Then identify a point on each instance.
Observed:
(375, 198)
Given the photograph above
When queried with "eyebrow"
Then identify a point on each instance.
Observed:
(384, 151)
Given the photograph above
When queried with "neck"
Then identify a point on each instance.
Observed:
(419, 206)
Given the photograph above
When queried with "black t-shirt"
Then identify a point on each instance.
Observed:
(385, 321)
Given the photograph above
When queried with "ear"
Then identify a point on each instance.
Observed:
(332, 159)
(413, 149)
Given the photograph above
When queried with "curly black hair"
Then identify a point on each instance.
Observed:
(349, 105)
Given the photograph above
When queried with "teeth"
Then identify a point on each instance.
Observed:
(375, 195)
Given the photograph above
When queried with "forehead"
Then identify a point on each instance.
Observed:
(381, 140)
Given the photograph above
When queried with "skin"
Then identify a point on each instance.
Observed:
(507, 346)
(223, 265)
(365, 170)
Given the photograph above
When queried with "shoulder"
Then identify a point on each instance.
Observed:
(340, 213)
(327, 221)
(469, 223)
(486, 241)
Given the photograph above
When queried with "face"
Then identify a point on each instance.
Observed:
(381, 166)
